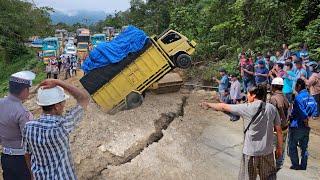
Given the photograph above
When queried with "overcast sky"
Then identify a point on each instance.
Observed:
(67, 6)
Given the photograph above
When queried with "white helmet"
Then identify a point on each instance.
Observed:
(277, 81)
(47, 97)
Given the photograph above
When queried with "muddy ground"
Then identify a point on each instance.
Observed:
(168, 137)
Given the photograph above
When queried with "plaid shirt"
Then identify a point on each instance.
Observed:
(47, 140)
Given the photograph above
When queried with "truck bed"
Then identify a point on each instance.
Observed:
(100, 76)
(146, 69)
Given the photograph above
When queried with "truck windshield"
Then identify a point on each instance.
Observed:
(82, 46)
(49, 54)
(98, 38)
(83, 38)
(170, 38)
(50, 44)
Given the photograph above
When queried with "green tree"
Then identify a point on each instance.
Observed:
(18, 21)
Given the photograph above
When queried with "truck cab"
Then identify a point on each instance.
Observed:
(50, 47)
(97, 39)
(47, 55)
(177, 47)
(82, 50)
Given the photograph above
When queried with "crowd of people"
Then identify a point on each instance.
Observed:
(278, 96)
(67, 64)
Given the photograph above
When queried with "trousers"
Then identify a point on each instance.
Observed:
(317, 98)
(252, 166)
(14, 168)
(299, 137)
(280, 160)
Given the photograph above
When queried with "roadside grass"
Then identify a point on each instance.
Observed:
(25, 62)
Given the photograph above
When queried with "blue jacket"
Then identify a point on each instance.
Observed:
(304, 106)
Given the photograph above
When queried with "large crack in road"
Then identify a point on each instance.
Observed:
(159, 125)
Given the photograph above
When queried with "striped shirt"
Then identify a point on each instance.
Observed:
(47, 140)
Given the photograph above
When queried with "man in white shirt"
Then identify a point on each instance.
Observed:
(235, 89)
(235, 95)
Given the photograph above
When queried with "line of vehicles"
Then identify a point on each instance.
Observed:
(64, 42)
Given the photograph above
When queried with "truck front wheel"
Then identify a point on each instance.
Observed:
(183, 61)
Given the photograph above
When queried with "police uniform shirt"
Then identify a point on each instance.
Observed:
(14, 115)
(13, 118)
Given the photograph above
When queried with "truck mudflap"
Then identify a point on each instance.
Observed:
(94, 80)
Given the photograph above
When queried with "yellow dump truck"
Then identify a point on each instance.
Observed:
(165, 52)
(82, 50)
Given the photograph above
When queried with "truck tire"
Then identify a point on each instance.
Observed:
(133, 100)
(183, 61)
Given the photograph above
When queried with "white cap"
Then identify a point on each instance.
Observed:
(23, 77)
(47, 97)
(277, 81)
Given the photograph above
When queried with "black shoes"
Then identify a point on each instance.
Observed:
(295, 167)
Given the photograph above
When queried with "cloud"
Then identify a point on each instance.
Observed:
(70, 6)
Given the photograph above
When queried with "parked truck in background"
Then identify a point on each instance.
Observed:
(50, 49)
(62, 35)
(82, 50)
(97, 39)
(82, 41)
(83, 35)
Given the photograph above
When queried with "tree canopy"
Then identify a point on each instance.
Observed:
(18, 21)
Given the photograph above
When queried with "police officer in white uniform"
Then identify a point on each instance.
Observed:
(13, 117)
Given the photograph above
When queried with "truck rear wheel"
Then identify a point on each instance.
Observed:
(183, 61)
(133, 100)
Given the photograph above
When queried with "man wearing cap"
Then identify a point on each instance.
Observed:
(299, 70)
(223, 85)
(282, 104)
(47, 139)
(13, 118)
(261, 73)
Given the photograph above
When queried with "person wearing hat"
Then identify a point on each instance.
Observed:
(282, 105)
(261, 73)
(303, 52)
(299, 69)
(223, 85)
(314, 84)
(13, 118)
(47, 139)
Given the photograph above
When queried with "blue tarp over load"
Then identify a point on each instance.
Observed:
(129, 41)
